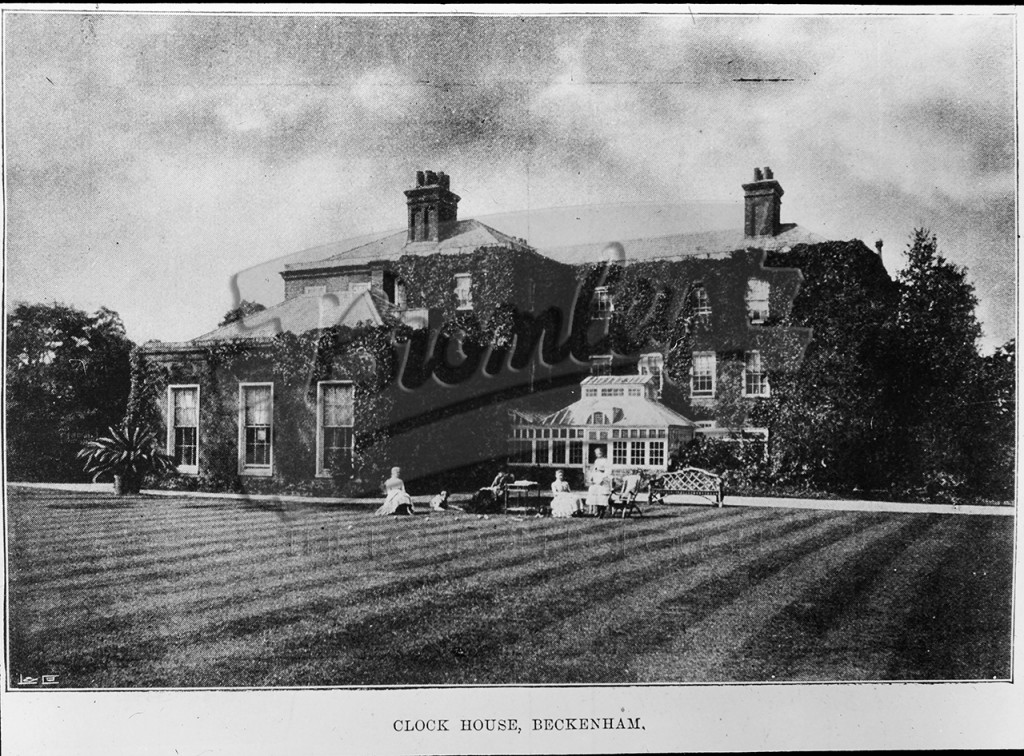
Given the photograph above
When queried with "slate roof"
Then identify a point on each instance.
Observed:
(301, 314)
(461, 237)
(703, 244)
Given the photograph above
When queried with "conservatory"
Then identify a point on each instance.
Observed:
(617, 414)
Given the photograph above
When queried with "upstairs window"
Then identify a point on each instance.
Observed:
(699, 303)
(464, 291)
(702, 375)
(335, 420)
(757, 300)
(601, 364)
(183, 428)
(755, 383)
(603, 306)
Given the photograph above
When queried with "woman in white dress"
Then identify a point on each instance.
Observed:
(600, 484)
(564, 503)
(397, 501)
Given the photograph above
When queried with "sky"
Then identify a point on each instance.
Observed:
(150, 157)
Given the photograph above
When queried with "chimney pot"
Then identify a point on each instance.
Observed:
(419, 178)
(757, 175)
(431, 178)
(768, 176)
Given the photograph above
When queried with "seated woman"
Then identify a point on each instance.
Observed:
(396, 500)
(565, 503)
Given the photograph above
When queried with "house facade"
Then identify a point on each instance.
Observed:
(449, 343)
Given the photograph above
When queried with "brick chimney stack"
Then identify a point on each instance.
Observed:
(431, 206)
(763, 203)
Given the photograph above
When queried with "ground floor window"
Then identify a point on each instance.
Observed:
(183, 427)
(335, 423)
(636, 452)
(256, 427)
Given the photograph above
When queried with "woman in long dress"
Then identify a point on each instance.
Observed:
(600, 485)
(564, 503)
(396, 500)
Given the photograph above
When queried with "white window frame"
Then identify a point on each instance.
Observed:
(321, 468)
(604, 305)
(464, 302)
(704, 394)
(171, 446)
(765, 389)
(254, 470)
(757, 301)
(700, 300)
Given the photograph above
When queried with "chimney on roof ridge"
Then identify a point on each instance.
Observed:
(432, 206)
(762, 205)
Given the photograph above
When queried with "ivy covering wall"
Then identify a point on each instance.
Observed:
(295, 364)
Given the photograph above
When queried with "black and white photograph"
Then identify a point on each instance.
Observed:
(509, 379)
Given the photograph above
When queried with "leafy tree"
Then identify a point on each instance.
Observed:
(936, 366)
(68, 378)
(991, 456)
(245, 307)
(828, 414)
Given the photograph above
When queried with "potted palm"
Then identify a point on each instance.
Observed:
(128, 453)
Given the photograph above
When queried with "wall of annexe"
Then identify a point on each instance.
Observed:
(294, 364)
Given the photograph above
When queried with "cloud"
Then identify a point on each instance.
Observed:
(219, 141)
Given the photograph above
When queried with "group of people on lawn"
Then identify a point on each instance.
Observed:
(564, 503)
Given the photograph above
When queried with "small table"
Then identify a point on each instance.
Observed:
(524, 491)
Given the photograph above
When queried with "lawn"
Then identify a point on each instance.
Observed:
(183, 592)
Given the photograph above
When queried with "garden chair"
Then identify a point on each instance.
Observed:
(624, 501)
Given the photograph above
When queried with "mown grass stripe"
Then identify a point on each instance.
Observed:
(699, 654)
(863, 641)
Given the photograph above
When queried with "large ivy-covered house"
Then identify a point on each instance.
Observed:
(450, 344)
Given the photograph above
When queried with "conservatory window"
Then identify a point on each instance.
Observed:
(575, 452)
(464, 291)
(598, 418)
(755, 383)
(757, 300)
(256, 428)
(618, 452)
(335, 421)
(183, 428)
(636, 452)
(702, 377)
(656, 454)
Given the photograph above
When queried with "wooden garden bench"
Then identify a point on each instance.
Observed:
(690, 481)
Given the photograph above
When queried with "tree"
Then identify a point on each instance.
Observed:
(68, 378)
(828, 416)
(992, 455)
(936, 367)
(245, 307)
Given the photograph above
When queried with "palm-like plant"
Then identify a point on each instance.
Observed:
(128, 453)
